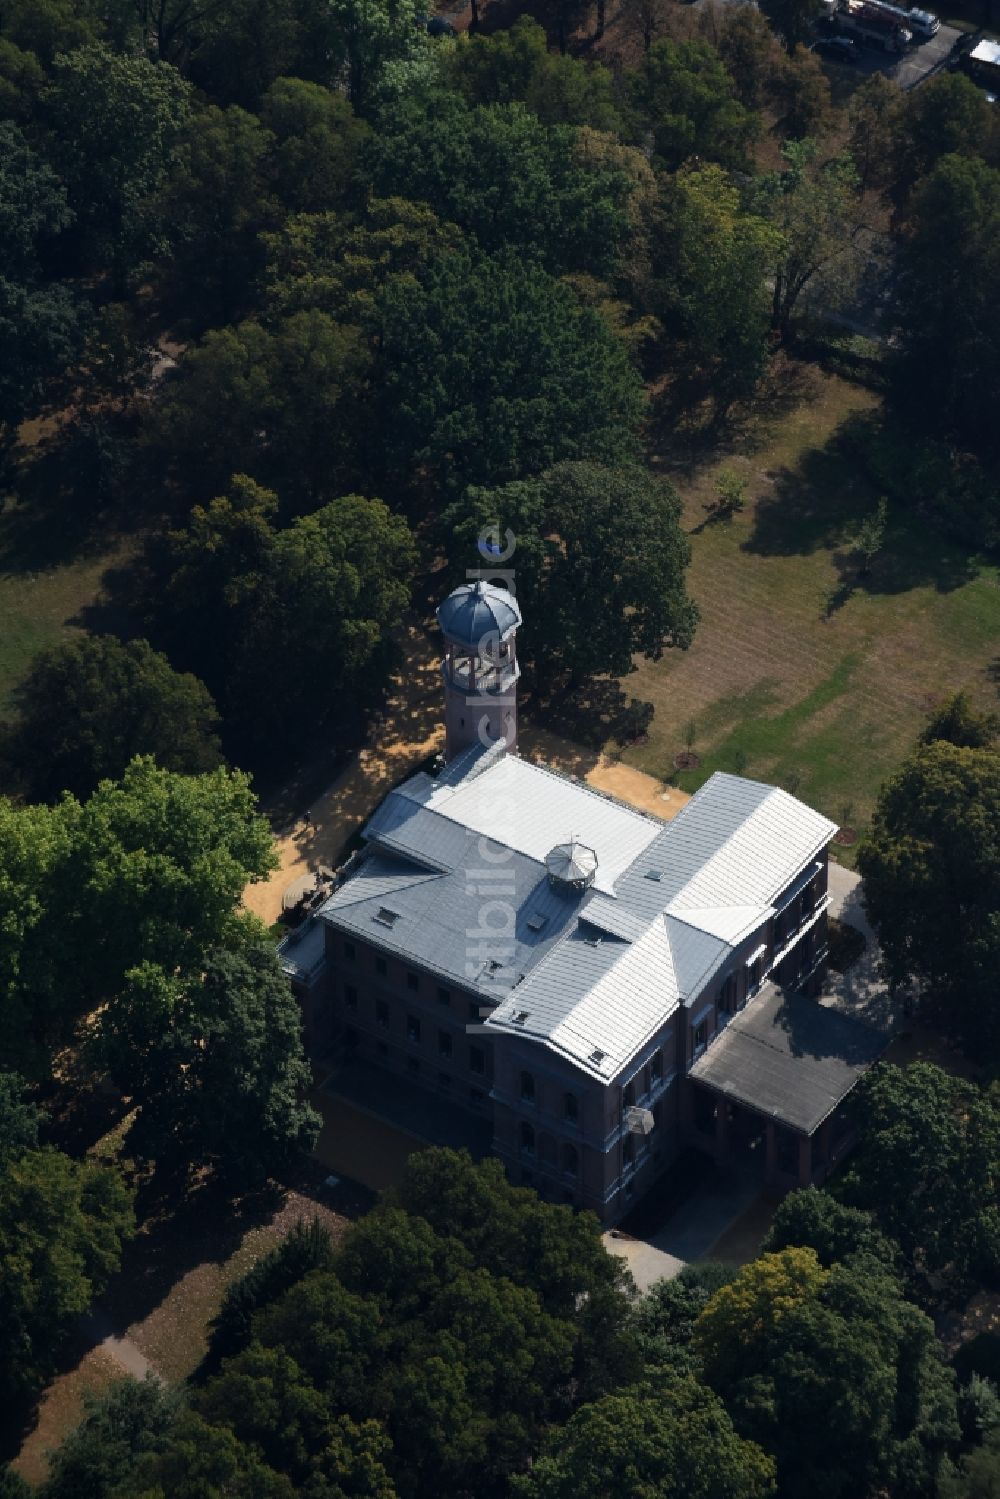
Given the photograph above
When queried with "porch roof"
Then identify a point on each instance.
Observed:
(789, 1058)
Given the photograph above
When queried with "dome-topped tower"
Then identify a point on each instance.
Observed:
(479, 621)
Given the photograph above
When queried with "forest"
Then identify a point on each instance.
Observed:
(297, 299)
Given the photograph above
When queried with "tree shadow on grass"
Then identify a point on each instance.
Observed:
(820, 504)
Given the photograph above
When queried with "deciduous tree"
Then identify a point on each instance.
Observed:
(932, 883)
(490, 371)
(584, 531)
(88, 707)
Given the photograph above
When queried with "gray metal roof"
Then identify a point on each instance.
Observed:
(477, 610)
(588, 971)
(789, 1058)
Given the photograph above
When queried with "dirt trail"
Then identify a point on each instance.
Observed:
(412, 730)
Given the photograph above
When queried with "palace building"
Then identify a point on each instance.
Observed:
(593, 988)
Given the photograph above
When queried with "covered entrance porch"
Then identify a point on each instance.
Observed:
(771, 1090)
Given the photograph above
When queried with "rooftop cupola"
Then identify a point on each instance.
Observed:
(571, 866)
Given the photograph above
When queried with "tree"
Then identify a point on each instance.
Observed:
(120, 1423)
(663, 1319)
(217, 200)
(89, 706)
(318, 145)
(815, 207)
(278, 404)
(48, 27)
(873, 113)
(150, 869)
(682, 94)
(793, 20)
(803, 91)
(977, 1475)
(930, 1150)
(672, 1439)
(305, 613)
(564, 211)
(871, 535)
(198, 1459)
(490, 372)
(39, 327)
(62, 1227)
(815, 1220)
(19, 1120)
(947, 304)
(747, 47)
(215, 1063)
(338, 265)
(550, 1250)
(709, 283)
(515, 65)
(306, 1247)
(950, 116)
(932, 883)
(831, 1371)
(958, 723)
(587, 532)
(374, 36)
(114, 122)
(22, 80)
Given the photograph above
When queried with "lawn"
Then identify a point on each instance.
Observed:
(802, 672)
(48, 576)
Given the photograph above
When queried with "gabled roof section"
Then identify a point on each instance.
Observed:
(531, 809)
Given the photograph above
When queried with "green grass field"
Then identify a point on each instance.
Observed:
(802, 673)
(47, 577)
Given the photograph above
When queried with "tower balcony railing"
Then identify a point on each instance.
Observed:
(481, 676)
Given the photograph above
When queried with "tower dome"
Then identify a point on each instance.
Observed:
(475, 610)
(479, 622)
(571, 865)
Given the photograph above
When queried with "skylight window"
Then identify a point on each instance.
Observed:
(385, 917)
(597, 1056)
(654, 874)
(536, 922)
(521, 1017)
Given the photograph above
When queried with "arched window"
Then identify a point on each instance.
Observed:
(527, 1087)
(571, 1108)
(570, 1160)
(527, 1140)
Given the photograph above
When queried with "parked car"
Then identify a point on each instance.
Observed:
(837, 48)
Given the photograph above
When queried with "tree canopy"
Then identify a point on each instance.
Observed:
(932, 882)
(585, 532)
(88, 707)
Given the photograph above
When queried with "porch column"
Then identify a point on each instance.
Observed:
(805, 1160)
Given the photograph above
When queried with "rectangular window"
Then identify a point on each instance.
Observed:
(656, 1068)
(382, 1049)
(350, 951)
(474, 1010)
(477, 1059)
(444, 995)
(571, 1108)
(444, 1044)
(727, 995)
(412, 982)
(412, 1028)
(477, 1097)
(444, 1081)
(412, 1066)
(350, 997)
(701, 1037)
(381, 967)
(382, 1014)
